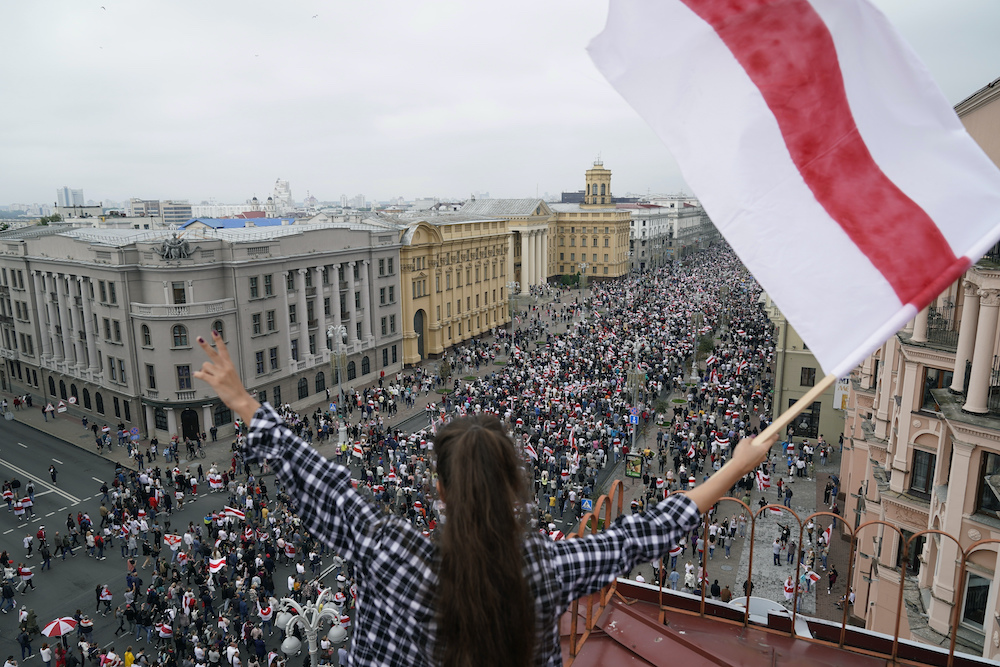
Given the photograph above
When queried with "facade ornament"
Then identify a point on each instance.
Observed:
(174, 248)
(989, 298)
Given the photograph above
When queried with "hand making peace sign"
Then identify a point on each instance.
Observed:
(221, 374)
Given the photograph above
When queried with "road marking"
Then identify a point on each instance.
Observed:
(43, 493)
(97, 480)
(9, 530)
(61, 509)
(58, 461)
(23, 445)
(39, 481)
(50, 514)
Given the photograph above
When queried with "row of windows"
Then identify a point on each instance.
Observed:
(583, 242)
(123, 409)
(574, 269)
(319, 382)
(583, 230)
(583, 258)
(386, 267)
(178, 333)
(16, 278)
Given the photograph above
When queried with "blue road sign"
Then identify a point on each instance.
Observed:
(587, 504)
(634, 419)
(134, 430)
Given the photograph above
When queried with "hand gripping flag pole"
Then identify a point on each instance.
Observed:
(786, 417)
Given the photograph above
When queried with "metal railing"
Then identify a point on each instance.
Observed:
(596, 603)
(941, 328)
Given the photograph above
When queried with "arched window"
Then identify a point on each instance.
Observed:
(366, 366)
(147, 339)
(160, 419)
(62, 390)
(180, 335)
(74, 394)
(52, 386)
(217, 326)
(86, 398)
(100, 402)
(602, 189)
(303, 388)
(320, 382)
(351, 371)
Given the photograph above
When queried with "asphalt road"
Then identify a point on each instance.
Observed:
(27, 454)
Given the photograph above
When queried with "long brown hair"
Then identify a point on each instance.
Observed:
(485, 609)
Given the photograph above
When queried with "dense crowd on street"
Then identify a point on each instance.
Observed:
(685, 349)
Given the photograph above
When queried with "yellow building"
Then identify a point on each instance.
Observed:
(592, 237)
(454, 280)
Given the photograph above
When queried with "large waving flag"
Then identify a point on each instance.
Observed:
(821, 149)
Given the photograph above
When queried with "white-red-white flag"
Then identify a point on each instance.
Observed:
(216, 564)
(530, 451)
(235, 513)
(828, 533)
(821, 149)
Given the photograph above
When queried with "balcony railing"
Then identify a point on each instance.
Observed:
(603, 616)
(173, 311)
(941, 327)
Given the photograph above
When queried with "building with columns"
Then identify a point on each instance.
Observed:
(455, 269)
(922, 452)
(108, 318)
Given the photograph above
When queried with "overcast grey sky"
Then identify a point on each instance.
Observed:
(193, 100)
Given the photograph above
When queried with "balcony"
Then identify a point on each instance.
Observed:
(186, 395)
(154, 311)
(628, 622)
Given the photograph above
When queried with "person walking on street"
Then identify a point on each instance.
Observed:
(832, 578)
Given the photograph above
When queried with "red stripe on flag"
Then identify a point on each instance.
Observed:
(789, 54)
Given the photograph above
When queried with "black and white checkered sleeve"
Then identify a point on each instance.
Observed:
(328, 505)
(584, 565)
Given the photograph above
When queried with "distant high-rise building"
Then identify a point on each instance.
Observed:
(283, 197)
(69, 197)
(175, 212)
(343, 201)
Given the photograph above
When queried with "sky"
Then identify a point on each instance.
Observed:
(215, 100)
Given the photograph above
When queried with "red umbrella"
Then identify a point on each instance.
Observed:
(59, 627)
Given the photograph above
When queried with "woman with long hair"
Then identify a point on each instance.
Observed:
(490, 590)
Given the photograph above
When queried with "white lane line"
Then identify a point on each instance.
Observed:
(58, 461)
(43, 493)
(97, 480)
(39, 481)
(61, 509)
(9, 530)
(50, 514)
(23, 445)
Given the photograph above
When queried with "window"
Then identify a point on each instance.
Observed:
(394, 347)
(160, 419)
(922, 474)
(385, 324)
(292, 319)
(111, 369)
(381, 267)
(180, 294)
(290, 281)
(989, 485)
(312, 343)
(381, 295)
(254, 293)
(320, 382)
(86, 399)
(309, 278)
(118, 331)
(806, 425)
(103, 288)
(223, 415)
(99, 400)
(151, 376)
(595, 242)
(607, 242)
(273, 352)
(366, 366)
(392, 292)
(392, 322)
(255, 323)
(934, 378)
(217, 326)
(357, 270)
(268, 285)
(326, 276)
(118, 409)
(357, 301)
(358, 329)
(180, 335)
(295, 349)
(259, 358)
(184, 377)
(262, 396)
(107, 328)
(390, 261)
(121, 371)
(270, 320)
(326, 306)
(977, 590)
(385, 357)
(352, 372)
(112, 293)
(807, 377)
(147, 339)
(277, 394)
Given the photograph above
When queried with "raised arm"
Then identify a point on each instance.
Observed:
(328, 505)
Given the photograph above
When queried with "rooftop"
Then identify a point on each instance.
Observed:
(504, 207)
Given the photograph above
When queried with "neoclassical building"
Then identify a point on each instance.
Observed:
(922, 451)
(108, 319)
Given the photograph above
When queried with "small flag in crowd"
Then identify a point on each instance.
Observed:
(530, 451)
(216, 564)
(234, 513)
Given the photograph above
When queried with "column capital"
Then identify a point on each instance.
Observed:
(970, 288)
(302, 272)
(963, 449)
(989, 298)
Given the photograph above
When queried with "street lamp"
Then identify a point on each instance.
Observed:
(339, 359)
(638, 347)
(583, 276)
(513, 288)
(309, 617)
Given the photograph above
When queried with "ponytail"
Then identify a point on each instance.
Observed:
(485, 608)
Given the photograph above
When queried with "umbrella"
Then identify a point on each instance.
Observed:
(59, 627)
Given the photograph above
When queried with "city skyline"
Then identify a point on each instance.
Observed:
(389, 100)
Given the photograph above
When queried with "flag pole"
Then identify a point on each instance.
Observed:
(779, 424)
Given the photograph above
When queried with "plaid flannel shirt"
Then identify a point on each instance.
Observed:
(396, 566)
